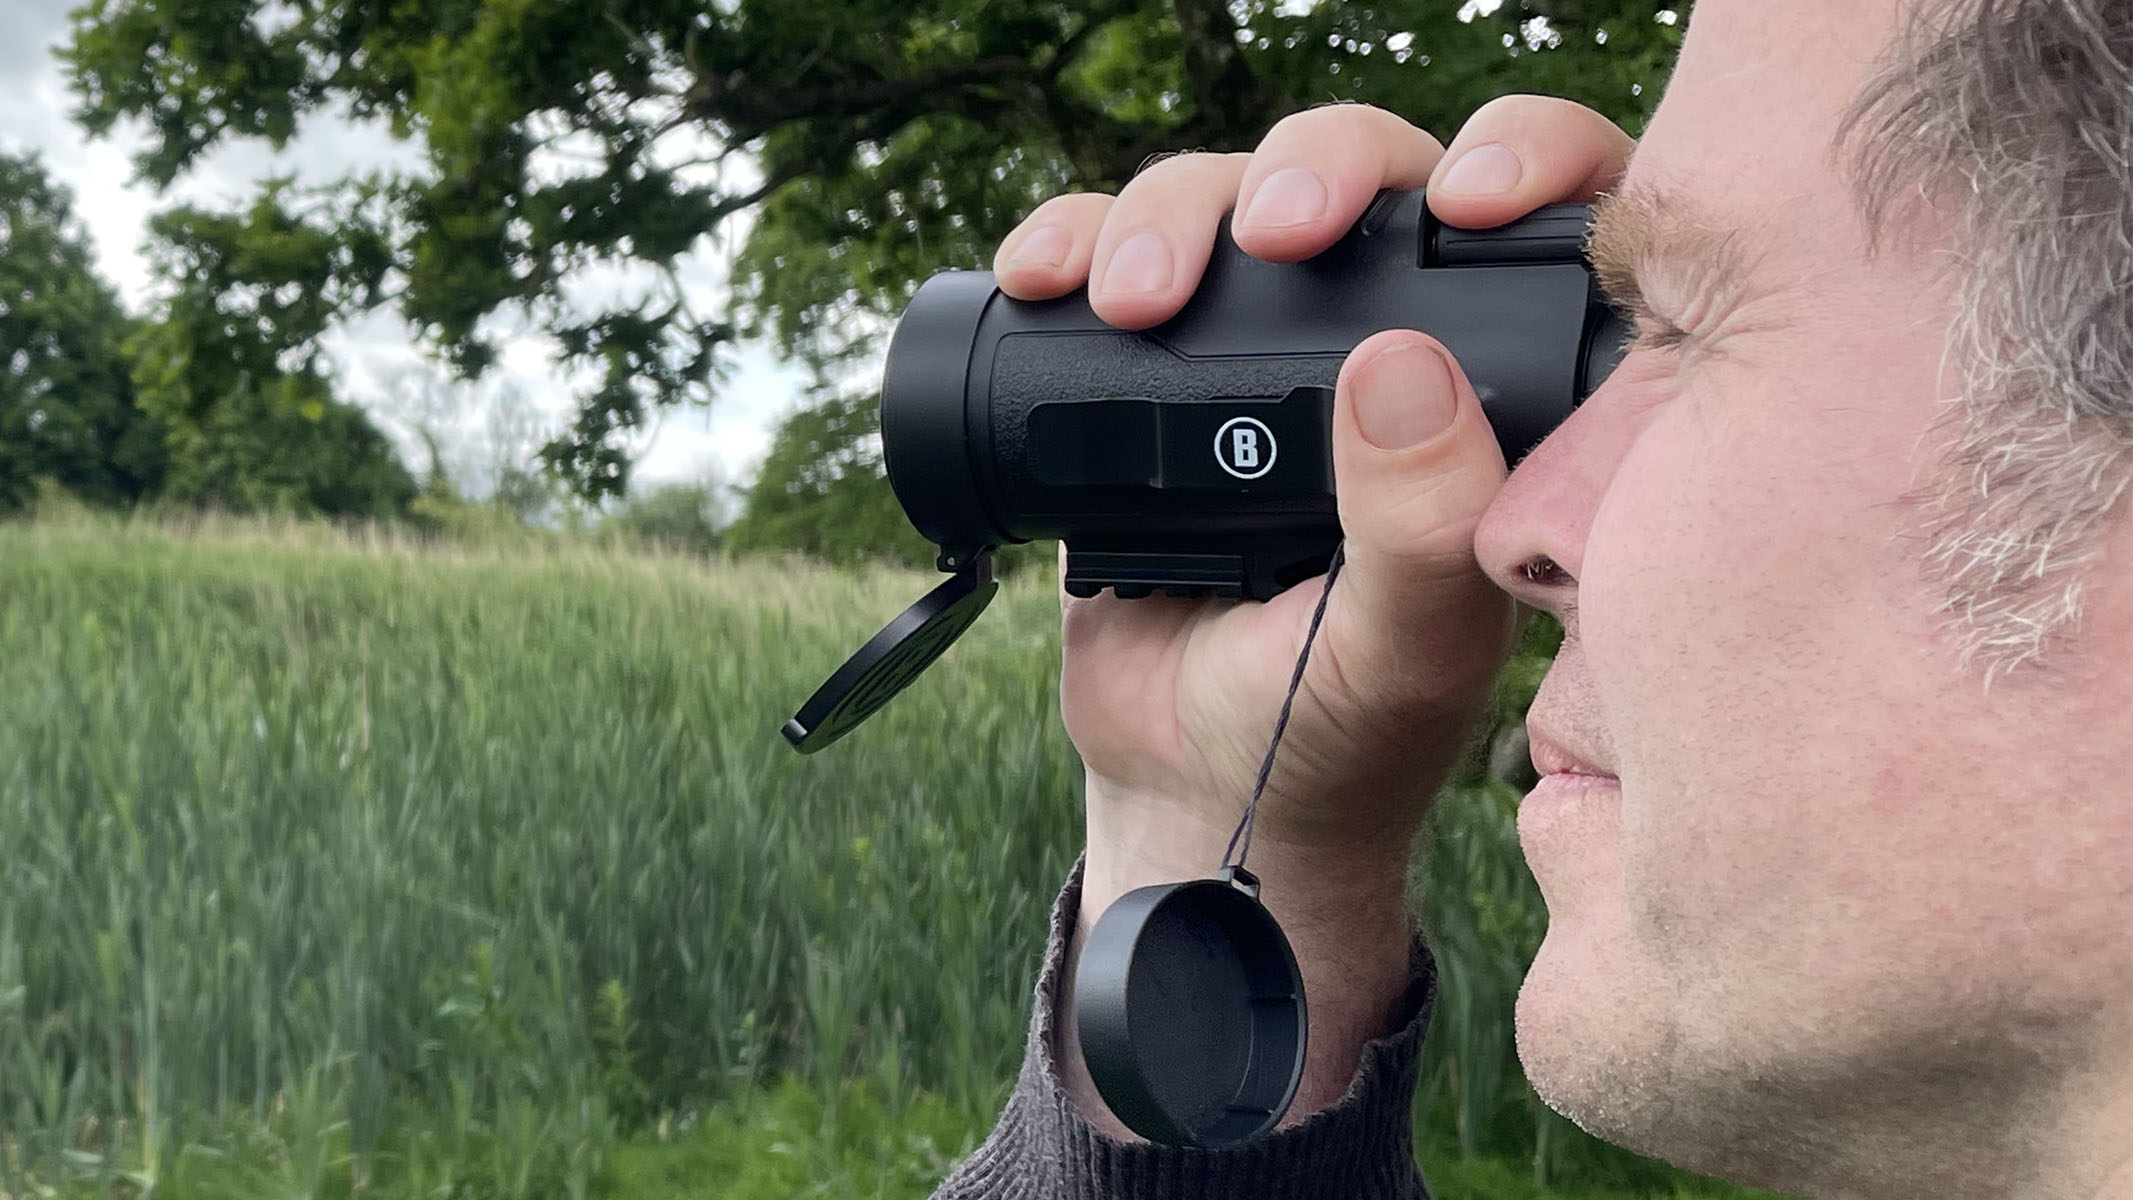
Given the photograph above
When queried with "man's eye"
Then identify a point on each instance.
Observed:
(1650, 331)
(1653, 334)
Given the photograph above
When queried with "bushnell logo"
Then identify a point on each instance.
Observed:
(1245, 447)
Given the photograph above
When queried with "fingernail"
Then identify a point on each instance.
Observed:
(1047, 247)
(1289, 197)
(1484, 171)
(1404, 397)
(1140, 264)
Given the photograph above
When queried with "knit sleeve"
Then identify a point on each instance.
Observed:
(1359, 1149)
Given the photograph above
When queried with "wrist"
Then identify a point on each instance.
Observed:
(1343, 908)
(1136, 839)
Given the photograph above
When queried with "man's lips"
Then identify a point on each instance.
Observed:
(1568, 779)
(1551, 756)
(1578, 787)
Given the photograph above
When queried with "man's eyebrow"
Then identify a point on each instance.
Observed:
(1641, 231)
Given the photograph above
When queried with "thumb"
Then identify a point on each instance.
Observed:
(1415, 464)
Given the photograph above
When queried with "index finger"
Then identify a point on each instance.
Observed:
(1316, 171)
(1518, 153)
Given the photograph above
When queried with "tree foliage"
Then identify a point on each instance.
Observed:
(690, 518)
(821, 491)
(235, 372)
(873, 142)
(200, 404)
(67, 412)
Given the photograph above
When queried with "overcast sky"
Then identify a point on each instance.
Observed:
(378, 363)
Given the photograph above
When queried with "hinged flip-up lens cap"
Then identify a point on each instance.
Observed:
(1191, 1012)
(893, 658)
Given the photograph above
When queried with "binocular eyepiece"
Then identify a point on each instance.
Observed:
(1195, 458)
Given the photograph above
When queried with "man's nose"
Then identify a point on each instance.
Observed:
(1532, 539)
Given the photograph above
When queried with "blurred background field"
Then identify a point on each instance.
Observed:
(347, 863)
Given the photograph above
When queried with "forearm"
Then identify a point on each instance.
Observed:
(1343, 909)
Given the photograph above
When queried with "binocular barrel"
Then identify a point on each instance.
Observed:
(1196, 457)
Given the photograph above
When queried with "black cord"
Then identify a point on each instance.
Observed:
(1281, 724)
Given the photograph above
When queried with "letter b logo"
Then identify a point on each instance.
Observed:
(1245, 447)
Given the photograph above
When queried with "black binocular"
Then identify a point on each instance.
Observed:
(1195, 458)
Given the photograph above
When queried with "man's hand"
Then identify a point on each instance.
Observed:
(1171, 702)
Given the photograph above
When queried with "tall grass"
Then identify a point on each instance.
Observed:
(442, 867)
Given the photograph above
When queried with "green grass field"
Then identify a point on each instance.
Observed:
(338, 865)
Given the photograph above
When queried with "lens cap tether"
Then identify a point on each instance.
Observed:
(1187, 996)
(892, 659)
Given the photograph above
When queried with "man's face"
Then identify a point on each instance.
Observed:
(1849, 918)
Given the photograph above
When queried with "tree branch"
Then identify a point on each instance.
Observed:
(777, 179)
(749, 115)
(1070, 49)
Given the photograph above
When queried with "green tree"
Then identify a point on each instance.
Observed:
(689, 517)
(67, 411)
(288, 448)
(875, 141)
(821, 491)
(234, 369)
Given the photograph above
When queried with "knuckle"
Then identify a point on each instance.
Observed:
(1524, 113)
(1518, 102)
(1052, 209)
(1184, 173)
(1334, 117)
(1157, 159)
(1359, 136)
(1076, 208)
(1171, 163)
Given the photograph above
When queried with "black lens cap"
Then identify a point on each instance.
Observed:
(1191, 1012)
(893, 658)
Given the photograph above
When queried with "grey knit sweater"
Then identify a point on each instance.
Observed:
(1359, 1149)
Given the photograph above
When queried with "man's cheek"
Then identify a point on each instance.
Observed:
(1675, 576)
(1732, 618)
(1653, 595)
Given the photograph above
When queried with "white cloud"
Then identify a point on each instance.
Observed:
(378, 361)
